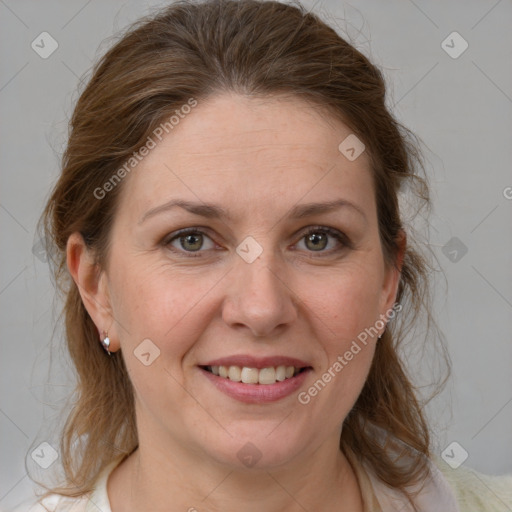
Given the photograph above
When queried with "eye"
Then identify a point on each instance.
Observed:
(189, 240)
(316, 239)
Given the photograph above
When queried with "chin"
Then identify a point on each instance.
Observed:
(258, 448)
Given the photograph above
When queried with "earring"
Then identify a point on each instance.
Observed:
(105, 342)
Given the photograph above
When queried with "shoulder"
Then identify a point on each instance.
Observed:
(476, 492)
(53, 503)
(93, 501)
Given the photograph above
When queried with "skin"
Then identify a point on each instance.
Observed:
(257, 158)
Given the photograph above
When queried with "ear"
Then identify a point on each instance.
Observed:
(92, 285)
(393, 273)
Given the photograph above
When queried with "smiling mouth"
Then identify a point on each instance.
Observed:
(247, 375)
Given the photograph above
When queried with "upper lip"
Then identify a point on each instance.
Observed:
(257, 362)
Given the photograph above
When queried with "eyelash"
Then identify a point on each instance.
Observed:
(337, 235)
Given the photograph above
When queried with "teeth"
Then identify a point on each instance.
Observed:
(234, 373)
(247, 375)
(281, 373)
(267, 376)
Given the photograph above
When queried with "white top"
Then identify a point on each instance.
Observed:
(448, 490)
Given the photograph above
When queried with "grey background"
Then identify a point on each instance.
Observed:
(462, 110)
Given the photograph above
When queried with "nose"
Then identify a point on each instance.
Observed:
(259, 299)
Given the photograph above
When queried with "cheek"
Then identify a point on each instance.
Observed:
(346, 309)
(156, 302)
(346, 302)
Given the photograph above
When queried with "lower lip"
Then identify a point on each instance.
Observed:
(257, 393)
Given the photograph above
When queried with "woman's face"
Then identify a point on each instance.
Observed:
(261, 279)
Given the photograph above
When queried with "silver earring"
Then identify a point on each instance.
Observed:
(106, 342)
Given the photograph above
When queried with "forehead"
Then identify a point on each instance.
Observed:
(239, 124)
(247, 152)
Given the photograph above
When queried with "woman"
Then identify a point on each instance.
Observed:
(238, 278)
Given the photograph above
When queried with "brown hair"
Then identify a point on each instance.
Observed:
(193, 50)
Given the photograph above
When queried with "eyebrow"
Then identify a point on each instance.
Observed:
(212, 211)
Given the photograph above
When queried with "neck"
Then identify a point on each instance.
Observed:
(152, 480)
